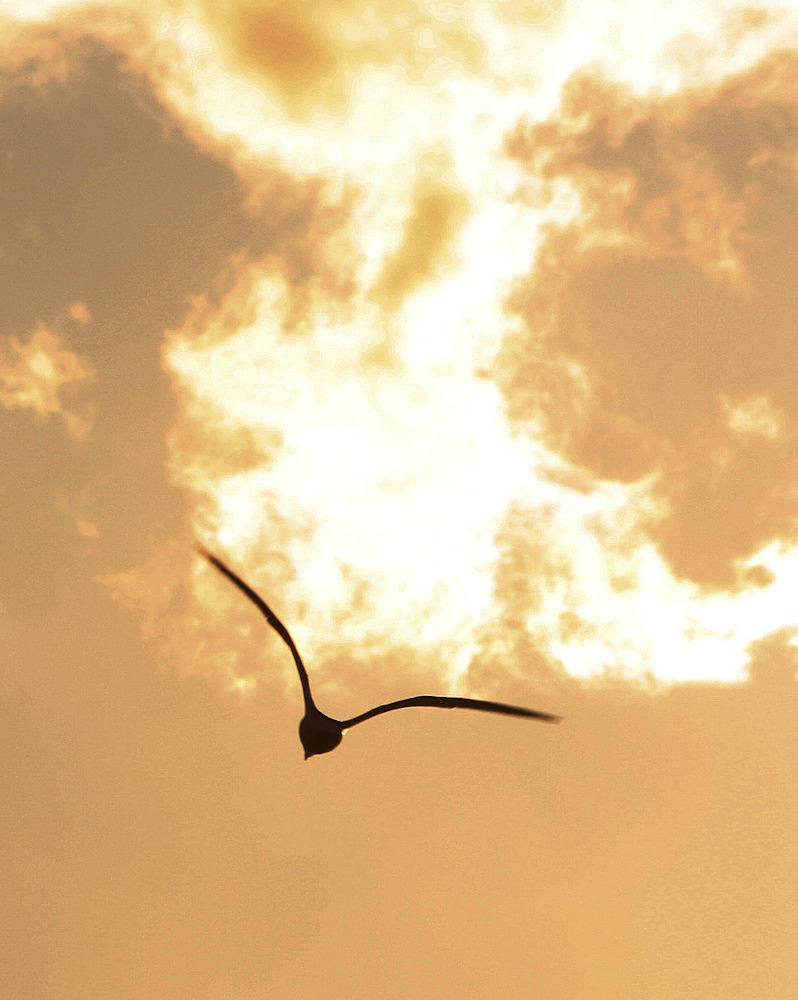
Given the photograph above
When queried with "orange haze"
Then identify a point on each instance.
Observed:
(464, 332)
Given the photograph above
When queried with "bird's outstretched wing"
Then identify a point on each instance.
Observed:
(435, 701)
(268, 614)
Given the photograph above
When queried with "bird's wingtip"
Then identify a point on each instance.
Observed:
(548, 717)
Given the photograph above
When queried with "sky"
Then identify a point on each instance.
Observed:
(465, 333)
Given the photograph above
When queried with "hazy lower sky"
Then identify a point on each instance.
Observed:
(467, 333)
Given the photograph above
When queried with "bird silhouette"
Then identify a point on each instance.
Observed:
(320, 733)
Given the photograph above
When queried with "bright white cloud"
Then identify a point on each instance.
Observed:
(393, 479)
(393, 482)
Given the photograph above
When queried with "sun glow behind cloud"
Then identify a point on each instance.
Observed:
(391, 480)
(381, 492)
(384, 462)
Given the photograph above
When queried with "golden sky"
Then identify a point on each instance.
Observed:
(466, 332)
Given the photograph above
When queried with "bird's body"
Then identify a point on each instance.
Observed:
(320, 733)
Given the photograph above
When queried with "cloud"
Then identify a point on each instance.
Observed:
(774, 659)
(572, 276)
(437, 212)
(753, 416)
(308, 55)
(353, 472)
(668, 297)
(43, 375)
(535, 274)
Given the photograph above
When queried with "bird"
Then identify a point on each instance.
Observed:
(319, 733)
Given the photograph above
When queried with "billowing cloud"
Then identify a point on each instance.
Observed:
(667, 304)
(118, 219)
(524, 257)
(523, 329)
(357, 475)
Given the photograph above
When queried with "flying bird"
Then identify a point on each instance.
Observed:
(320, 733)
